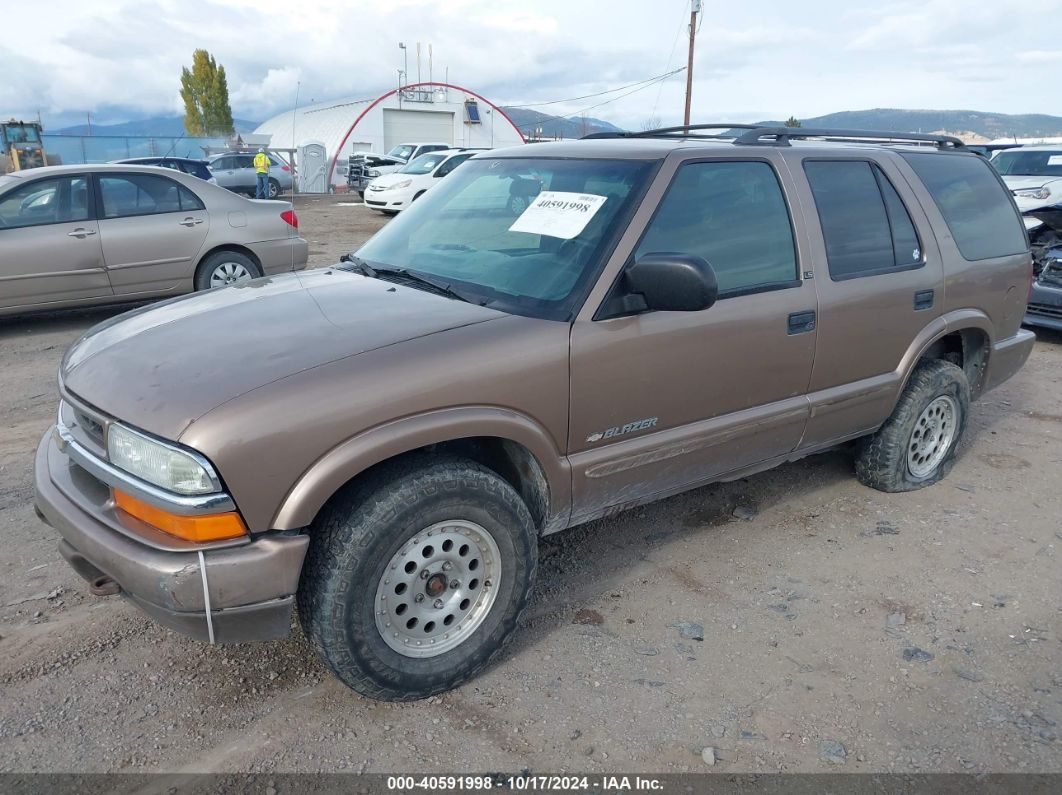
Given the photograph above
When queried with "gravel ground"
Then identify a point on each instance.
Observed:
(843, 629)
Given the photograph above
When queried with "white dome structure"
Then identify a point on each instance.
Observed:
(422, 112)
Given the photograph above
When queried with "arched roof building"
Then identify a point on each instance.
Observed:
(422, 112)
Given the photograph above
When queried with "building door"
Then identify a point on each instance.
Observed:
(421, 126)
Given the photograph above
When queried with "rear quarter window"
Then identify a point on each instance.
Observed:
(975, 205)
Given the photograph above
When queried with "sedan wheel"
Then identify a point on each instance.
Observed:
(229, 273)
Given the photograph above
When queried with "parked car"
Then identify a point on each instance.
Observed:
(100, 234)
(385, 441)
(363, 167)
(235, 171)
(392, 193)
(1034, 175)
(188, 165)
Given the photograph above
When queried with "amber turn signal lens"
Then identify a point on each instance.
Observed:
(210, 527)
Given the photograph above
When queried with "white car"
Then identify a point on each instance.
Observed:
(392, 193)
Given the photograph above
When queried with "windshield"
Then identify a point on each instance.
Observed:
(1029, 164)
(22, 134)
(526, 236)
(402, 152)
(425, 164)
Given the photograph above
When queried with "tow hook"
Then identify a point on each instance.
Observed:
(104, 586)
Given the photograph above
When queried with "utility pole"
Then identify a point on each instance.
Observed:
(695, 9)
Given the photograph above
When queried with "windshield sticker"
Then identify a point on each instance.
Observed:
(558, 214)
(1054, 160)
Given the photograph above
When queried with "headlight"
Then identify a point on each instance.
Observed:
(160, 464)
(403, 184)
(1033, 193)
(373, 173)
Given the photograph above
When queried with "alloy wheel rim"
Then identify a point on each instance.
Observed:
(229, 273)
(437, 589)
(932, 437)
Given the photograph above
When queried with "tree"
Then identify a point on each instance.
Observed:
(651, 122)
(793, 121)
(205, 92)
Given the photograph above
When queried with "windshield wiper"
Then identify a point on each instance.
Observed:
(416, 280)
(358, 265)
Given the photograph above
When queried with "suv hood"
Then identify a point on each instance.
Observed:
(161, 367)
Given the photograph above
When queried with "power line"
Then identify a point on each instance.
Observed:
(647, 82)
(660, 78)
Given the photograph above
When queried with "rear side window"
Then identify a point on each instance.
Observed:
(865, 224)
(144, 194)
(196, 169)
(732, 214)
(974, 204)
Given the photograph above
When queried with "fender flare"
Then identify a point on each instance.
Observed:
(949, 323)
(375, 445)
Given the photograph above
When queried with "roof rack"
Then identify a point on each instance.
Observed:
(779, 136)
(758, 135)
(666, 131)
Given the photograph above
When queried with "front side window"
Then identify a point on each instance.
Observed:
(733, 215)
(976, 207)
(865, 225)
(127, 195)
(451, 164)
(523, 235)
(46, 201)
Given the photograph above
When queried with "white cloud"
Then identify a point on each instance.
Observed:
(770, 58)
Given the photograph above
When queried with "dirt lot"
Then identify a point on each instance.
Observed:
(844, 629)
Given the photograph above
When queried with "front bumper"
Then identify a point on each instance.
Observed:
(1045, 307)
(388, 199)
(1007, 357)
(230, 595)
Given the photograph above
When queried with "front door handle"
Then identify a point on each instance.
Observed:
(923, 299)
(81, 233)
(190, 221)
(802, 322)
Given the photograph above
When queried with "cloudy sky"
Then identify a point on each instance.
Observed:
(121, 59)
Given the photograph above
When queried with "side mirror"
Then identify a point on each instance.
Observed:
(671, 282)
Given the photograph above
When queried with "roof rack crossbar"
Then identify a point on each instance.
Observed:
(662, 131)
(779, 136)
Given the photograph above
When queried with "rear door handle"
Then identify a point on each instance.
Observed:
(81, 232)
(923, 299)
(190, 221)
(802, 322)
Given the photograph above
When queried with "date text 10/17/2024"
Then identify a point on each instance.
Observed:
(524, 783)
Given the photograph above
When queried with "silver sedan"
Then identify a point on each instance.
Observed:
(97, 234)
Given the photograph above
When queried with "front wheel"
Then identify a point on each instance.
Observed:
(416, 579)
(916, 445)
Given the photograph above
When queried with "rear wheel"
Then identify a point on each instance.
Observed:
(274, 188)
(916, 445)
(416, 579)
(223, 268)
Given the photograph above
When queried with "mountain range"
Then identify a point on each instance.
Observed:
(532, 122)
(985, 125)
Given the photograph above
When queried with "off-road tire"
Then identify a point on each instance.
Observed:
(210, 264)
(882, 461)
(359, 532)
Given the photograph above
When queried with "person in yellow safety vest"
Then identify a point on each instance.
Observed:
(261, 174)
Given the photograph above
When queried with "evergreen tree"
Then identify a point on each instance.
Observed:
(792, 121)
